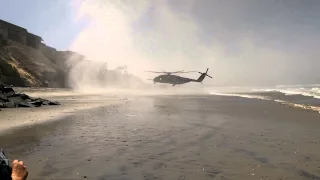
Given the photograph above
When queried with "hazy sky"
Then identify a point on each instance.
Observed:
(53, 20)
(241, 41)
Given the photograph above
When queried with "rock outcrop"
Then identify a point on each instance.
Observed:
(10, 99)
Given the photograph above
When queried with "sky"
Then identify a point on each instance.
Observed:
(55, 21)
(242, 41)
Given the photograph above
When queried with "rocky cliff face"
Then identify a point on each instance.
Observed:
(25, 61)
(21, 65)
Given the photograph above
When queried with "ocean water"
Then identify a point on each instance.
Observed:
(298, 96)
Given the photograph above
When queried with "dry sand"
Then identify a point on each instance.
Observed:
(173, 137)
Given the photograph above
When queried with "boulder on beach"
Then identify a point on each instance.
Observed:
(7, 91)
(10, 99)
(8, 105)
(3, 98)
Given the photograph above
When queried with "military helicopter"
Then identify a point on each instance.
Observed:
(168, 78)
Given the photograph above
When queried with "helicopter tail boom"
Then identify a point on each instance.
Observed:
(203, 75)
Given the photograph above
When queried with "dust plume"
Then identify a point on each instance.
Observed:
(236, 41)
(117, 37)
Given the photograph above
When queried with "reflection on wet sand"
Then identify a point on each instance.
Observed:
(174, 137)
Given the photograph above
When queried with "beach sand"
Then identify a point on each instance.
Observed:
(172, 137)
(13, 118)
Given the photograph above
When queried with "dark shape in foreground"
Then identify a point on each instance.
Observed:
(10, 99)
(5, 168)
(168, 78)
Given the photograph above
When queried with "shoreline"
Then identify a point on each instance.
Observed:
(259, 97)
(16, 118)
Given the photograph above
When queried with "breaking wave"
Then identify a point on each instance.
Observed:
(305, 91)
(304, 97)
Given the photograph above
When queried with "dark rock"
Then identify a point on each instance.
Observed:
(16, 99)
(25, 104)
(54, 103)
(36, 103)
(2, 101)
(3, 97)
(8, 91)
(9, 99)
(8, 105)
(27, 100)
(45, 102)
(38, 100)
(9, 94)
(24, 96)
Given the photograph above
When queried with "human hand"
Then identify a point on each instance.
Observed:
(19, 170)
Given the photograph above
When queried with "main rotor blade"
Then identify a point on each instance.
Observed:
(208, 76)
(184, 71)
(174, 72)
(154, 71)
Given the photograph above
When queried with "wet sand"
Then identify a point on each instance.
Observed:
(173, 137)
(13, 118)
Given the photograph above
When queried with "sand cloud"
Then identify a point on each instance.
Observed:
(241, 43)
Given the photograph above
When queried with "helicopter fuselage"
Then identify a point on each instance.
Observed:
(168, 78)
(172, 79)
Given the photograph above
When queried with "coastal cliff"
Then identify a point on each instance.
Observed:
(27, 62)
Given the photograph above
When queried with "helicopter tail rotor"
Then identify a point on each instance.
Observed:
(203, 75)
